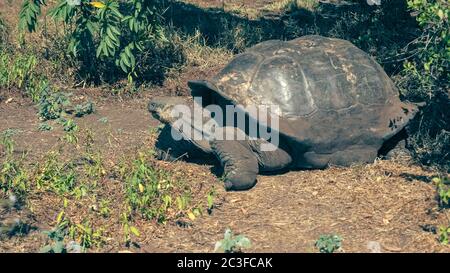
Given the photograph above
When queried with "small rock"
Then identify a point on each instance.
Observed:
(374, 247)
(73, 247)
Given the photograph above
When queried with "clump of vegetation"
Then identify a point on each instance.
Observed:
(82, 110)
(426, 78)
(128, 229)
(56, 241)
(210, 200)
(83, 233)
(45, 127)
(444, 232)
(13, 175)
(86, 234)
(55, 175)
(104, 209)
(70, 128)
(231, 243)
(17, 70)
(52, 104)
(153, 192)
(328, 243)
(198, 53)
(443, 190)
(107, 39)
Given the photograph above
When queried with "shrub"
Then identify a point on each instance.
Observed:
(425, 78)
(109, 39)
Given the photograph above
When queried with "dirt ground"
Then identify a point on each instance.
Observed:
(387, 202)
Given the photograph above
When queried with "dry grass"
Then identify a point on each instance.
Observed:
(289, 5)
(199, 54)
(254, 9)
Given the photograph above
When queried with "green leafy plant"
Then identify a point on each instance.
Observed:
(56, 238)
(104, 208)
(86, 234)
(52, 104)
(150, 191)
(29, 14)
(84, 109)
(426, 78)
(443, 190)
(443, 233)
(231, 243)
(45, 127)
(17, 70)
(55, 175)
(95, 167)
(127, 227)
(328, 243)
(102, 32)
(70, 128)
(7, 141)
(210, 200)
(13, 175)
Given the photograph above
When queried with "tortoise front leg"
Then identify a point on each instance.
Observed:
(242, 160)
(240, 165)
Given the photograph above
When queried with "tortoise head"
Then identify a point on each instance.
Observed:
(161, 108)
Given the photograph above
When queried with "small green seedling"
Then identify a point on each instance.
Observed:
(56, 244)
(82, 110)
(328, 243)
(210, 199)
(70, 129)
(103, 120)
(231, 243)
(6, 140)
(443, 190)
(45, 127)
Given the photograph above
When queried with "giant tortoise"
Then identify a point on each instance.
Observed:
(336, 104)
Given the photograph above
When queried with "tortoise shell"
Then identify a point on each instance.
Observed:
(330, 94)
